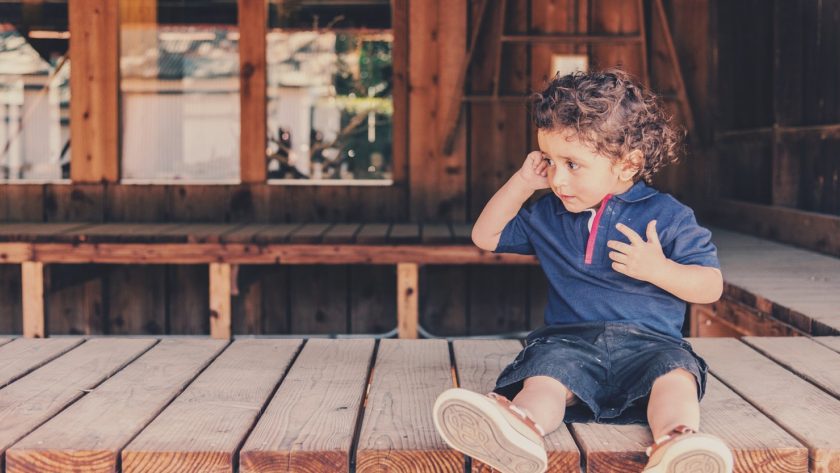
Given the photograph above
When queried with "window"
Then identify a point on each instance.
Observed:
(330, 108)
(179, 67)
(35, 95)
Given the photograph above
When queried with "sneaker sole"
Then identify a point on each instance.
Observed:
(469, 423)
(699, 454)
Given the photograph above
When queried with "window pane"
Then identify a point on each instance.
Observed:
(180, 91)
(35, 94)
(329, 90)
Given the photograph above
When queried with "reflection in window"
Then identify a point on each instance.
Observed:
(330, 109)
(180, 93)
(34, 104)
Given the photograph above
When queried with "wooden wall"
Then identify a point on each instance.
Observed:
(777, 121)
(489, 146)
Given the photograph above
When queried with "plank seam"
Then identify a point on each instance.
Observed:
(354, 445)
(265, 404)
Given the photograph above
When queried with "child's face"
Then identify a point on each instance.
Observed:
(578, 175)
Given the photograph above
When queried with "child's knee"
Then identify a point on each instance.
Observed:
(550, 384)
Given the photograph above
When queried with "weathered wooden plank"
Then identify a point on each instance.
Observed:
(830, 342)
(341, 233)
(94, 111)
(436, 233)
(373, 298)
(170, 253)
(89, 434)
(462, 232)
(35, 398)
(407, 301)
(318, 299)
(32, 282)
(204, 426)
(373, 233)
(23, 355)
(244, 234)
(310, 421)
(309, 233)
(404, 233)
(136, 296)
(220, 285)
(189, 299)
(478, 364)
(808, 413)
(203, 232)
(278, 233)
(723, 413)
(397, 432)
(35, 231)
(803, 356)
(122, 233)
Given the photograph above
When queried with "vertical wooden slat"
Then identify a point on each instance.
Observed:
(407, 300)
(399, 123)
(94, 111)
(32, 282)
(220, 300)
(253, 19)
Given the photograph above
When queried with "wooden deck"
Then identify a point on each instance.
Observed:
(196, 404)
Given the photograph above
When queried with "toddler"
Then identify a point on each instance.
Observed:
(622, 259)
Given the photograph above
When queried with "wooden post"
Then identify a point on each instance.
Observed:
(94, 86)
(407, 300)
(220, 300)
(253, 19)
(32, 284)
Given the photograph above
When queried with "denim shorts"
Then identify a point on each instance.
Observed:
(609, 366)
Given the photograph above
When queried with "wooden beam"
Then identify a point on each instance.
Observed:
(94, 86)
(809, 230)
(220, 289)
(253, 22)
(32, 284)
(204, 253)
(688, 114)
(455, 110)
(399, 123)
(407, 302)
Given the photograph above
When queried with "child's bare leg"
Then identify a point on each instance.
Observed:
(539, 397)
(673, 401)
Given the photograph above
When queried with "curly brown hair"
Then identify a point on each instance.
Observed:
(613, 114)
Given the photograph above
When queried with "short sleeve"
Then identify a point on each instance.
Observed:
(691, 243)
(516, 236)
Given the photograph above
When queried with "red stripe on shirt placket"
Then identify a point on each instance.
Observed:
(593, 234)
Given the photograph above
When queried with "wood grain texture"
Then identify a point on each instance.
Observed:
(253, 22)
(23, 355)
(397, 434)
(309, 424)
(204, 426)
(811, 415)
(88, 435)
(37, 397)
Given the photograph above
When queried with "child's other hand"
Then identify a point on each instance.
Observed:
(535, 171)
(640, 259)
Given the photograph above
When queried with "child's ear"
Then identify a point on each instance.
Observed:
(631, 165)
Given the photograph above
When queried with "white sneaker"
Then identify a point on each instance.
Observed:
(491, 429)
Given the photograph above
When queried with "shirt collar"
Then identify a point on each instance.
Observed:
(640, 191)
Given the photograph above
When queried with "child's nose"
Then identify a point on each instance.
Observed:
(560, 177)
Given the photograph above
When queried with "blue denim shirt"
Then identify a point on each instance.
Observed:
(582, 286)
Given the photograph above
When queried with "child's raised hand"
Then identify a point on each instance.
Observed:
(535, 171)
(640, 259)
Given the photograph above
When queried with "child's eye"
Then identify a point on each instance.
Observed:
(572, 165)
(549, 161)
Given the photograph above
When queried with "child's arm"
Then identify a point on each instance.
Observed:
(645, 260)
(507, 201)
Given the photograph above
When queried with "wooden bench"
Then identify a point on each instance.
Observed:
(224, 246)
(198, 404)
(771, 289)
